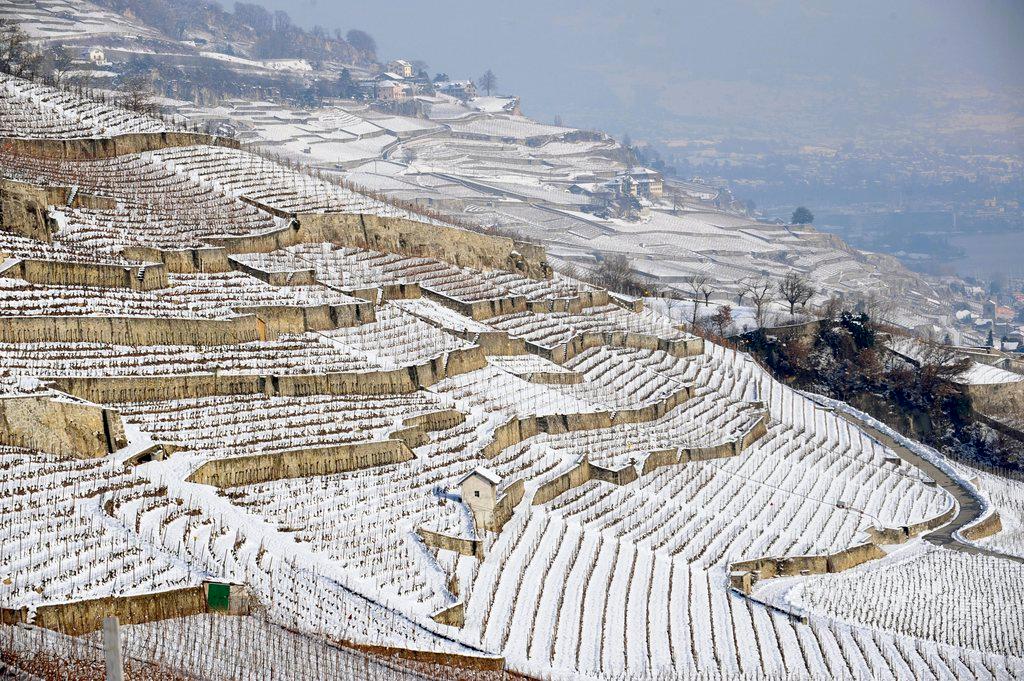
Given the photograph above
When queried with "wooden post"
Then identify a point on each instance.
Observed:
(112, 649)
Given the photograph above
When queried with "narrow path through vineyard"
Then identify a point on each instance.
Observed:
(970, 508)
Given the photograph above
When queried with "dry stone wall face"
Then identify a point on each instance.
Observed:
(986, 527)
(95, 148)
(58, 273)
(506, 504)
(465, 547)
(209, 259)
(119, 389)
(300, 463)
(997, 399)
(82, 617)
(56, 424)
(453, 615)
(23, 210)
(131, 330)
(399, 235)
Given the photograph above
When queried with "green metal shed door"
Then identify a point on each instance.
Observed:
(218, 596)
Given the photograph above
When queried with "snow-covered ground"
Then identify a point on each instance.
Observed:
(642, 466)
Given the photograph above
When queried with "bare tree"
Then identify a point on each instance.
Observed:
(675, 306)
(761, 292)
(722, 319)
(59, 64)
(938, 363)
(488, 81)
(138, 95)
(701, 287)
(616, 273)
(878, 308)
(832, 307)
(795, 289)
(17, 56)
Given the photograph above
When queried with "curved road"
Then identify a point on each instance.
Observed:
(970, 508)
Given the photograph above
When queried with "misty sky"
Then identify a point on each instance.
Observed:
(654, 69)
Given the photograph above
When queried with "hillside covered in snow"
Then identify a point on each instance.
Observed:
(245, 406)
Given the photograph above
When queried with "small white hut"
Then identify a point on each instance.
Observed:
(480, 492)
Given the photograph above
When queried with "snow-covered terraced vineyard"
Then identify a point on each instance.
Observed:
(427, 449)
(943, 595)
(29, 109)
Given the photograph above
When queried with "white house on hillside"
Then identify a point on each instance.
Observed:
(97, 56)
(480, 492)
(402, 68)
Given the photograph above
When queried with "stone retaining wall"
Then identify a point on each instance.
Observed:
(570, 479)
(997, 398)
(584, 470)
(208, 259)
(23, 210)
(662, 457)
(986, 527)
(480, 309)
(620, 476)
(517, 430)
(398, 235)
(94, 148)
(931, 523)
(81, 617)
(454, 615)
(554, 377)
(744, 574)
(719, 451)
(575, 305)
(494, 342)
(116, 389)
(506, 504)
(444, 659)
(131, 330)
(416, 429)
(59, 425)
(61, 273)
(473, 548)
(563, 352)
(287, 319)
(791, 566)
(300, 463)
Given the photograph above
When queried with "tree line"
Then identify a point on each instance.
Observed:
(274, 35)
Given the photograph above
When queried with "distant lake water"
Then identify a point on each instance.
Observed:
(989, 254)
